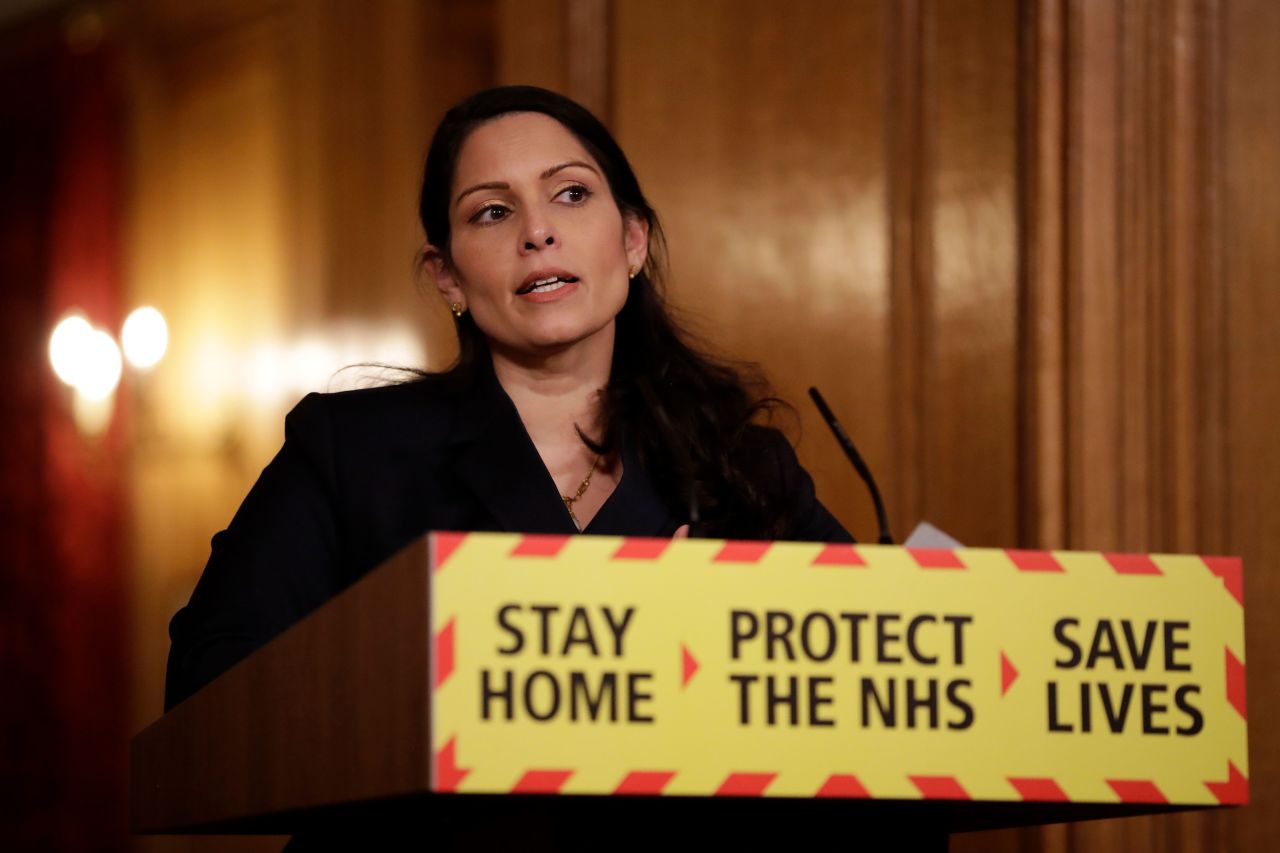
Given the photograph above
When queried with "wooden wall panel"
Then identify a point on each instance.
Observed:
(1042, 221)
(1159, 121)
(563, 45)
(969, 420)
(1138, 72)
(276, 155)
(207, 245)
(533, 44)
(1251, 283)
(901, 124)
(769, 174)
(1093, 395)
(371, 81)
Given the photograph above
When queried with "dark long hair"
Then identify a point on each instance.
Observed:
(687, 414)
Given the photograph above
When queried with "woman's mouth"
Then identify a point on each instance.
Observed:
(547, 285)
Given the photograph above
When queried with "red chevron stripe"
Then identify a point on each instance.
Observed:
(1234, 791)
(1137, 791)
(539, 545)
(448, 774)
(542, 782)
(745, 784)
(444, 653)
(644, 782)
(1039, 789)
(940, 787)
(641, 548)
(443, 544)
(839, 554)
(843, 785)
(1231, 570)
(1235, 684)
(1034, 561)
(936, 558)
(1132, 564)
(742, 552)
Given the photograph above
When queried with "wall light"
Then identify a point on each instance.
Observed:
(145, 337)
(85, 358)
(67, 347)
(89, 360)
(99, 375)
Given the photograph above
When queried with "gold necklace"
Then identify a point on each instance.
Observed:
(582, 489)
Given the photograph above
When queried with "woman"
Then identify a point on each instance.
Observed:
(575, 405)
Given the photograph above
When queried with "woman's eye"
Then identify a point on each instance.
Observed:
(489, 214)
(575, 194)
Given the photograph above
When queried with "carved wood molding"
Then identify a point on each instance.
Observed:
(908, 256)
(1123, 378)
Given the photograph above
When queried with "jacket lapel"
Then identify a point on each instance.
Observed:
(635, 508)
(496, 460)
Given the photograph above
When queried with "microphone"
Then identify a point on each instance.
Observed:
(864, 472)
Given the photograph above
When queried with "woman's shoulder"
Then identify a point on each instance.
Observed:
(423, 406)
(430, 391)
(779, 474)
(767, 444)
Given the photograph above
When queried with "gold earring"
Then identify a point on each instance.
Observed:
(633, 272)
(457, 309)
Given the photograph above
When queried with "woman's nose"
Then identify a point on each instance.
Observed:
(538, 236)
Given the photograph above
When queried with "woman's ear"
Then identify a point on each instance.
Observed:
(635, 239)
(442, 273)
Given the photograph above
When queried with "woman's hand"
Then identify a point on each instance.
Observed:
(682, 532)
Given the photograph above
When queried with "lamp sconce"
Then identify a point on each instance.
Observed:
(91, 362)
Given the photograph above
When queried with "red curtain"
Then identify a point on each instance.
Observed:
(64, 673)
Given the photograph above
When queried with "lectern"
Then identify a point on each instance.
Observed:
(625, 683)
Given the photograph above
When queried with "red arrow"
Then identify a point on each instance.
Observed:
(1008, 674)
(690, 664)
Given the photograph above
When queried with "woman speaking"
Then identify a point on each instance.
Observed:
(576, 403)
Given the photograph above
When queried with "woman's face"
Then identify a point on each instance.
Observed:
(539, 250)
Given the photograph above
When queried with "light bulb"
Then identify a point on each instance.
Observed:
(100, 373)
(145, 337)
(68, 347)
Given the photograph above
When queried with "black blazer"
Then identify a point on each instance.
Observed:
(363, 473)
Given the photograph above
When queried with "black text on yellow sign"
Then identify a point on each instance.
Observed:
(883, 640)
(859, 639)
(599, 662)
(563, 633)
(1115, 703)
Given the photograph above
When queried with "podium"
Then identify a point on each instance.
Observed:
(616, 682)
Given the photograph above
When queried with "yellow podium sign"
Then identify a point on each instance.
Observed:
(608, 665)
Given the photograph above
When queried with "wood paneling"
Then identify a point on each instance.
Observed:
(769, 174)
(1130, 228)
(276, 156)
(844, 193)
(369, 83)
(1249, 288)
(1042, 342)
(969, 286)
(208, 248)
(563, 45)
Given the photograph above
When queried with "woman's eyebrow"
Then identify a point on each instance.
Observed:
(549, 172)
(503, 185)
(492, 185)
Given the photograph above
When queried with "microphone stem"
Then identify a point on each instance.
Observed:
(846, 444)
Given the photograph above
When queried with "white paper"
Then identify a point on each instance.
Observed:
(927, 536)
